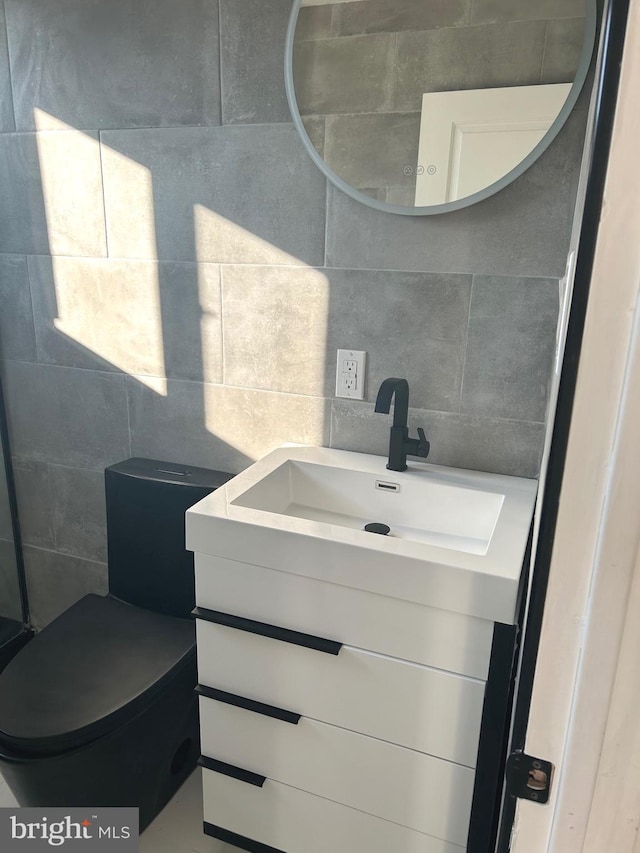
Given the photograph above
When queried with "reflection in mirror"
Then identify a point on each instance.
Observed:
(425, 103)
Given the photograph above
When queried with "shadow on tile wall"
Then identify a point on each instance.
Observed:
(175, 276)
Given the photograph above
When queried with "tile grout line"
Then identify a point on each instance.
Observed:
(126, 399)
(104, 196)
(10, 69)
(64, 554)
(469, 12)
(326, 216)
(145, 127)
(220, 64)
(331, 422)
(471, 24)
(36, 336)
(394, 77)
(52, 506)
(299, 266)
(18, 460)
(222, 327)
(270, 391)
(466, 343)
(544, 50)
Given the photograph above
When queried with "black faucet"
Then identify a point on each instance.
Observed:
(400, 445)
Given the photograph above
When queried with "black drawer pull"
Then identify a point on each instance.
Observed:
(248, 704)
(237, 840)
(318, 644)
(230, 770)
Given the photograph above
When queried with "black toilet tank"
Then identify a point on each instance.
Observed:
(146, 503)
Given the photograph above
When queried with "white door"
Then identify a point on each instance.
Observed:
(470, 139)
(584, 711)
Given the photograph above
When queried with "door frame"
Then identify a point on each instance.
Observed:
(576, 674)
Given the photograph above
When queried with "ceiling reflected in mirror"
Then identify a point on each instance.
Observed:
(423, 106)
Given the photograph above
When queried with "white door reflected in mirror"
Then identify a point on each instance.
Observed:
(470, 139)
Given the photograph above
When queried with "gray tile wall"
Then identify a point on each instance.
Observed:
(97, 65)
(175, 275)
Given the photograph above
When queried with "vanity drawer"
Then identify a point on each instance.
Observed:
(405, 703)
(294, 821)
(427, 635)
(379, 778)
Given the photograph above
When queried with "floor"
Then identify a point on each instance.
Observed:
(178, 827)
(7, 800)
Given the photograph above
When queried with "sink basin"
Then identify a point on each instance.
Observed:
(457, 539)
(419, 508)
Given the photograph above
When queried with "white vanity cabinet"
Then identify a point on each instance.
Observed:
(360, 737)
(336, 717)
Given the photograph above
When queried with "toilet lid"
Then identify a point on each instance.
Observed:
(94, 667)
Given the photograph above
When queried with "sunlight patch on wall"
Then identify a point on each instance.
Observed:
(103, 307)
(275, 325)
(209, 299)
(156, 383)
(129, 192)
(112, 308)
(71, 178)
(221, 241)
(255, 422)
(274, 340)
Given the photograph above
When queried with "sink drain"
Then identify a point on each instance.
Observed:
(376, 527)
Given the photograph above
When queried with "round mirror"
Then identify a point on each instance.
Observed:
(425, 106)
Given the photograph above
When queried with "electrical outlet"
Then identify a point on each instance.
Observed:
(350, 374)
(350, 382)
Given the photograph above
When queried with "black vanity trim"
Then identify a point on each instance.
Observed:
(230, 770)
(318, 644)
(236, 840)
(498, 697)
(248, 704)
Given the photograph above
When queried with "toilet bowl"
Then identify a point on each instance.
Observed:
(99, 708)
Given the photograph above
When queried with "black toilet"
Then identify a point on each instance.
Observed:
(99, 708)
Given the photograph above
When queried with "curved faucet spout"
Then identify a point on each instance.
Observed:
(399, 387)
(400, 445)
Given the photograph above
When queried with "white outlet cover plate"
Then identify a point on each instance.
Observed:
(347, 358)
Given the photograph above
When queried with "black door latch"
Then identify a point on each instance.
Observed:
(529, 778)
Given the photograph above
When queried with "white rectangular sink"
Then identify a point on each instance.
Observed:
(457, 538)
(422, 509)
